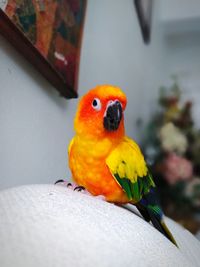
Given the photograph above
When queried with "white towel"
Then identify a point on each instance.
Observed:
(51, 225)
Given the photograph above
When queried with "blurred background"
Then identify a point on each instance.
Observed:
(162, 82)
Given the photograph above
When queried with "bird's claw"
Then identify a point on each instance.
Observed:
(59, 181)
(79, 188)
(66, 183)
(72, 186)
(69, 185)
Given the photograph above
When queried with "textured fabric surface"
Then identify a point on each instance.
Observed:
(51, 225)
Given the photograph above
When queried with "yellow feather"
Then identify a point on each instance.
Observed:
(127, 160)
(70, 145)
(121, 170)
(129, 172)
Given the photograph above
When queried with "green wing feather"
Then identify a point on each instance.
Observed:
(127, 165)
(135, 191)
(129, 169)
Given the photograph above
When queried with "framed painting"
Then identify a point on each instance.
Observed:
(144, 13)
(48, 33)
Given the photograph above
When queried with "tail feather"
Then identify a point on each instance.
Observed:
(150, 209)
(168, 234)
(162, 227)
(143, 212)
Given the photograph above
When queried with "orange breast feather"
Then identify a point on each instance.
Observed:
(89, 169)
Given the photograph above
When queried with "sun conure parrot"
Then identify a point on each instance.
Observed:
(106, 162)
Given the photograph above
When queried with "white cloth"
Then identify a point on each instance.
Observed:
(51, 225)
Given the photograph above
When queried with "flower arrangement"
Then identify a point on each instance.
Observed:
(172, 149)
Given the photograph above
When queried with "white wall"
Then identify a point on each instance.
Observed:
(179, 9)
(180, 23)
(182, 58)
(36, 124)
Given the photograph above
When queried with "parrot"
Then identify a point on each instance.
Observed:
(106, 162)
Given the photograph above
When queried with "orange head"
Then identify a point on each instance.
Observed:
(100, 112)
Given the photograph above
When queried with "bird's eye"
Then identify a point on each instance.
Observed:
(96, 104)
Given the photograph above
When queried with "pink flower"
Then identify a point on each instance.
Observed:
(177, 168)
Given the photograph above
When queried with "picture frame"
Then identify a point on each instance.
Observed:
(48, 34)
(144, 13)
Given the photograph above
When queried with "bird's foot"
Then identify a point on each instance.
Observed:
(78, 188)
(62, 182)
(73, 186)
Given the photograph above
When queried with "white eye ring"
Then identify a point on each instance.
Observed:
(96, 104)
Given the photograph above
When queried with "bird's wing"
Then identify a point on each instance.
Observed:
(128, 167)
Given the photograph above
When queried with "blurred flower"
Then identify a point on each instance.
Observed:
(172, 149)
(185, 119)
(172, 112)
(172, 140)
(177, 168)
(192, 190)
(150, 153)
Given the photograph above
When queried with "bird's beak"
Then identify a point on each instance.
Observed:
(112, 116)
